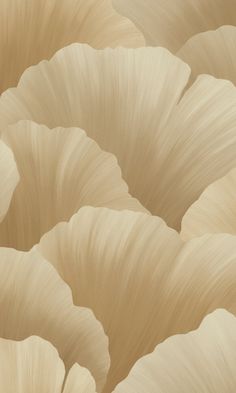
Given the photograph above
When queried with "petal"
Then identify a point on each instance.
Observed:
(34, 30)
(140, 280)
(212, 52)
(129, 101)
(30, 366)
(214, 211)
(61, 170)
(35, 301)
(108, 257)
(9, 178)
(171, 23)
(79, 380)
(200, 361)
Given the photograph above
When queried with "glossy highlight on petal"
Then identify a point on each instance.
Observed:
(34, 300)
(200, 361)
(142, 282)
(60, 171)
(33, 30)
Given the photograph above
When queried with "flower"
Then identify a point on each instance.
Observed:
(170, 143)
(32, 30)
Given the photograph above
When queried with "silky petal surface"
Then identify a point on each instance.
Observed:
(171, 23)
(142, 282)
(79, 380)
(200, 361)
(33, 30)
(61, 170)
(30, 366)
(214, 211)
(9, 178)
(34, 300)
(212, 52)
(170, 145)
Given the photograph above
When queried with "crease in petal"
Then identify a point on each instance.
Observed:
(35, 30)
(200, 361)
(60, 170)
(34, 300)
(107, 257)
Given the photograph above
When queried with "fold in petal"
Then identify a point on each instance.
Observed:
(34, 300)
(32, 30)
(169, 148)
(30, 366)
(9, 178)
(61, 170)
(79, 380)
(171, 23)
(140, 280)
(200, 361)
(212, 52)
(214, 211)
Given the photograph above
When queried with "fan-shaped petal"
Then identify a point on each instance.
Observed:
(33, 30)
(171, 23)
(34, 300)
(214, 211)
(61, 170)
(79, 380)
(140, 280)
(200, 361)
(212, 52)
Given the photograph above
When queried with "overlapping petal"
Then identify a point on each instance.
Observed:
(9, 178)
(200, 361)
(60, 171)
(140, 280)
(169, 148)
(214, 211)
(34, 300)
(33, 30)
(212, 52)
(171, 23)
(33, 365)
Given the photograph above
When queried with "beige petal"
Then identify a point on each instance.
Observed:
(200, 361)
(30, 366)
(9, 178)
(61, 170)
(212, 52)
(79, 380)
(170, 23)
(32, 30)
(35, 301)
(140, 280)
(214, 211)
(169, 149)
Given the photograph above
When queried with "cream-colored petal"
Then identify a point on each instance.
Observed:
(169, 148)
(115, 262)
(200, 361)
(9, 178)
(34, 300)
(79, 380)
(33, 30)
(61, 170)
(170, 23)
(140, 280)
(30, 366)
(212, 52)
(214, 211)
